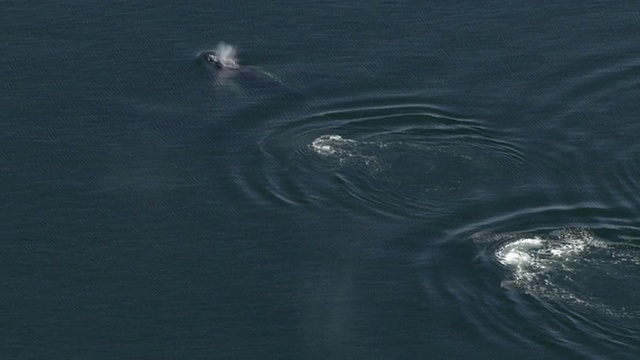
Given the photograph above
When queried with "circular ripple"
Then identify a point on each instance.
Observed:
(584, 119)
(623, 185)
(398, 157)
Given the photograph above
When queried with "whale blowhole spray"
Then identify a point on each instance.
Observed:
(224, 56)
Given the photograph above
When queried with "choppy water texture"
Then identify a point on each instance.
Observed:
(572, 266)
(380, 180)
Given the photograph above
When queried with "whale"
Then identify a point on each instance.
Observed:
(246, 80)
(219, 61)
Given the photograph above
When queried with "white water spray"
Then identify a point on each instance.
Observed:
(227, 55)
(574, 266)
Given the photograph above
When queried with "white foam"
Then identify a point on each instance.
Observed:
(516, 257)
(556, 267)
(227, 55)
(348, 152)
(520, 252)
(328, 145)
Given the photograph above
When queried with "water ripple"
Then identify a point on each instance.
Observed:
(394, 156)
(580, 133)
(572, 266)
(588, 283)
(625, 186)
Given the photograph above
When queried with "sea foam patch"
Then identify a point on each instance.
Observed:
(328, 145)
(572, 266)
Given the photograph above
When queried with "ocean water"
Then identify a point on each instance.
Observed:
(378, 180)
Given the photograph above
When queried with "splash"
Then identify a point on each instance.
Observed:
(328, 145)
(571, 265)
(226, 54)
(347, 152)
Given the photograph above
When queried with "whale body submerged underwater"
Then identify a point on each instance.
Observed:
(244, 79)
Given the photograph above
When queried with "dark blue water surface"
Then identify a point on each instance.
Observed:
(442, 180)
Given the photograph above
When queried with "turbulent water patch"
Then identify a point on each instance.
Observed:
(330, 145)
(399, 156)
(572, 266)
(346, 151)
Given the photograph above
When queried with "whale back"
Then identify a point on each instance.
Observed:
(255, 82)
